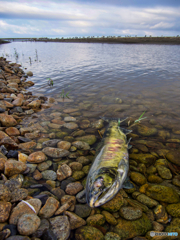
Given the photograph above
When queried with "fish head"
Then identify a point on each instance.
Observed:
(97, 187)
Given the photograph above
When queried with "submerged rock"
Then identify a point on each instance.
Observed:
(88, 233)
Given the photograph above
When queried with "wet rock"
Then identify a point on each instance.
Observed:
(36, 175)
(77, 175)
(90, 139)
(147, 159)
(161, 214)
(151, 170)
(154, 179)
(162, 193)
(50, 143)
(68, 203)
(5, 208)
(71, 110)
(44, 225)
(65, 182)
(19, 194)
(75, 220)
(7, 120)
(49, 208)
(14, 167)
(138, 178)
(81, 196)
(12, 131)
(60, 227)
(8, 143)
(22, 208)
(81, 145)
(37, 157)
(63, 172)
(74, 188)
(174, 227)
(176, 181)
(2, 163)
(12, 154)
(174, 210)
(130, 213)
(44, 165)
(35, 104)
(114, 204)
(98, 124)
(64, 145)
(12, 228)
(174, 157)
(18, 102)
(88, 233)
(82, 210)
(69, 119)
(55, 152)
(112, 236)
(70, 125)
(13, 184)
(29, 73)
(27, 145)
(142, 198)
(3, 135)
(146, 131)
(109, 218)
(130, 229)
(28, 223)
(157, 226)
(49, 175)
(164, 172)
(78, 133)
(75, 166)
(58, 192)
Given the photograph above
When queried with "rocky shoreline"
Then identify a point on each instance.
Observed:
(45, 158)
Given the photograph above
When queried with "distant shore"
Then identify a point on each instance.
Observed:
(124, 40)
(3, 41)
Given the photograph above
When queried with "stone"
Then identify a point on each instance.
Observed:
(162, 193)
(154, 179)
(74, 188)
(18, 102)
(13, 184)
(2, 163)
(146, 131)
(19, 194)
(88, 233)
(174, 157)
(49, 208)
(55, 152)
(37, 157)
(37, 175)
(29, 73)
(34, 104)
(161, 214)
(109, 218)
(69, 119)
(112, 236)
(28, 223)
(58, 192)
(3, 135)
(14, 167)
(147, 159)
(174, 227)
(74, 220)
(44, 225)
(138, 178)
(7, 120)
(129, 229)
(142, 198)
(5, 208)
(77, 175)
(97, 219)
(114, 204)
(130, 213)
(8, 143)
(82, 210)
(60, 227)
(22, 157)
(27, 145)
(50, 143)
(81, 145)
(70, 125)
(157, 226)
(70, 110)
(44, 165)
(49, 175)
(22, 208)
(64, 145)
(12, 131)
(174, 210)
(75, 166)
(63, 172)
(90, 139)
(164, 172)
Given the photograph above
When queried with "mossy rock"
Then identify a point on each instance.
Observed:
(97, 219)
(154, 179)
(147, 159)
(88, 233)
(114, 204)
(77, 175)
(129, 229)
(174, 210)
(162, 193)
(174, 226)
(138, 178)
(61, 134)
(112, 236)
(147, 131)
(174, 157)
(109, 218)
(90, 139)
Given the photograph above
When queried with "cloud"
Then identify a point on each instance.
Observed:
(65, 18)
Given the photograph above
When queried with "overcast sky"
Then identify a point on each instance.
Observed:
(56, 18)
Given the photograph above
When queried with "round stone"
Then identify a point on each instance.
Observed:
(28, 224)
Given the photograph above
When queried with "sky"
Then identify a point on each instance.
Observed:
(78, 18)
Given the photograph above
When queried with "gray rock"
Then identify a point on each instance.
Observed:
(50, 143)
(28, 224)
(49, 175)
(55, 152)
(82, 210)
(130, 213)
(81, 145)
(60, 227)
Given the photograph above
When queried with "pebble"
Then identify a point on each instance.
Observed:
(44, 165)
(142, 198)
(19, 194)
(55, 152)
(49, 208)
(12, 131)
(109, 218)
(164, 172)
(112, 236)
(28, 224)
(138, 178)
(7, 120)
(97, 219)
(174, 209)
(90, 139)
(5, 194)
(130, 213)
(69, 119)
(60, 227)
(70, 125)
(88, 232)
(5, 208)
(49, 175)
(161, 214)
(64, 145)
(63, 172)
(36, 157)
(12, 167)
(81, 145)
(44, 225)
(82, 210)
(50, 143)
(74, 188)
(74, 220)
